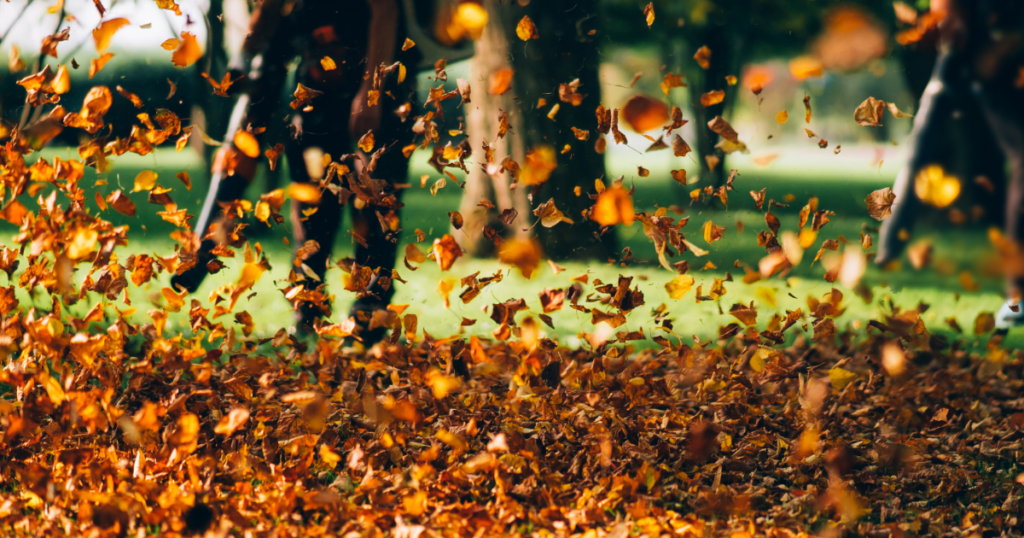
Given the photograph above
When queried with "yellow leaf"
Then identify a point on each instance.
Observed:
(304, 192)
(83, 244)
(760, 359)
(934, 187)
(144, 181)
(366, 142)
(329, 457)
(247, 144)
(782, 117)
(328, 63)
(526, 29)
(840, 377)
(678, 286)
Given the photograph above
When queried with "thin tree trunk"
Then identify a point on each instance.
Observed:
(482, 116)
(726, 55)
(565, 51)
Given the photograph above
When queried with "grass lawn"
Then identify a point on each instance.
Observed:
(956, 250)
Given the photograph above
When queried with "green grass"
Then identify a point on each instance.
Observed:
(956, 250)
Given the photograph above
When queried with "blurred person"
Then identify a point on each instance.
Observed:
(359, 36)
(978, 78)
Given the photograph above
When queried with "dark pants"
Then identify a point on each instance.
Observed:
(325, 127)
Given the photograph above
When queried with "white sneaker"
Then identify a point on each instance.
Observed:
(1007, 319)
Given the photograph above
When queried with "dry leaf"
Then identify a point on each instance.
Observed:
(880, 203)
(526, 29)
(869, 113)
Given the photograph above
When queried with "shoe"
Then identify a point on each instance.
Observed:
(368, 306)
(193, 277)
(1007, 319)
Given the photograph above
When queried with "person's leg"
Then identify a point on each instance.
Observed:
(315, 224)
(1005, 114)
(926, 147)
(223, 188)
(380, 252)
(257, 107)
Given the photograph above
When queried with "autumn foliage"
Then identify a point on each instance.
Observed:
(785, 424)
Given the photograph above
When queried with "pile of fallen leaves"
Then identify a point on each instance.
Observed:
(471, 439)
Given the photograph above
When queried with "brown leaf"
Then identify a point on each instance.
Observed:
(446, 251)
(880, 203)
(549, 215)
(869, 113)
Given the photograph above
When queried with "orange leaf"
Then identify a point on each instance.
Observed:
(102, 33)
(247, 144)
(188, 51)
(96, 64)
(644, 114)
(499, 81)
(613, 206)
(526, 29)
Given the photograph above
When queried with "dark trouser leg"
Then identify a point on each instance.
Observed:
(937, 106)
(1005, 117)
(321, 226)
(223, 188)
(381, 250)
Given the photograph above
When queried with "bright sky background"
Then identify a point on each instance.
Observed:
(28, 30)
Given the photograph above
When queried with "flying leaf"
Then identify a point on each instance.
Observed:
(230, 423)
(678, 286)
(446, 251)
(145, 181)
(499, 81)
(524, 254)
(649, 14)
(869, 113)
(188, 51)
(540, 162)
(247, 144)
(549, 215)
(897, 113)
(712, 98)
(644, 114)
(526, 29)
(101, 34)
(703, 57)
(613, 206)
(880, 203)
(366, 142)
(96, 64)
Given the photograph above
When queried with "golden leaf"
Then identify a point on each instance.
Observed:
(613, 206)
(101, 34)
(526, 29)
(679, 285)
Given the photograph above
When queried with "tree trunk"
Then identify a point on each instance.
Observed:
(492, 54)
(726, 55)
(565, 51)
